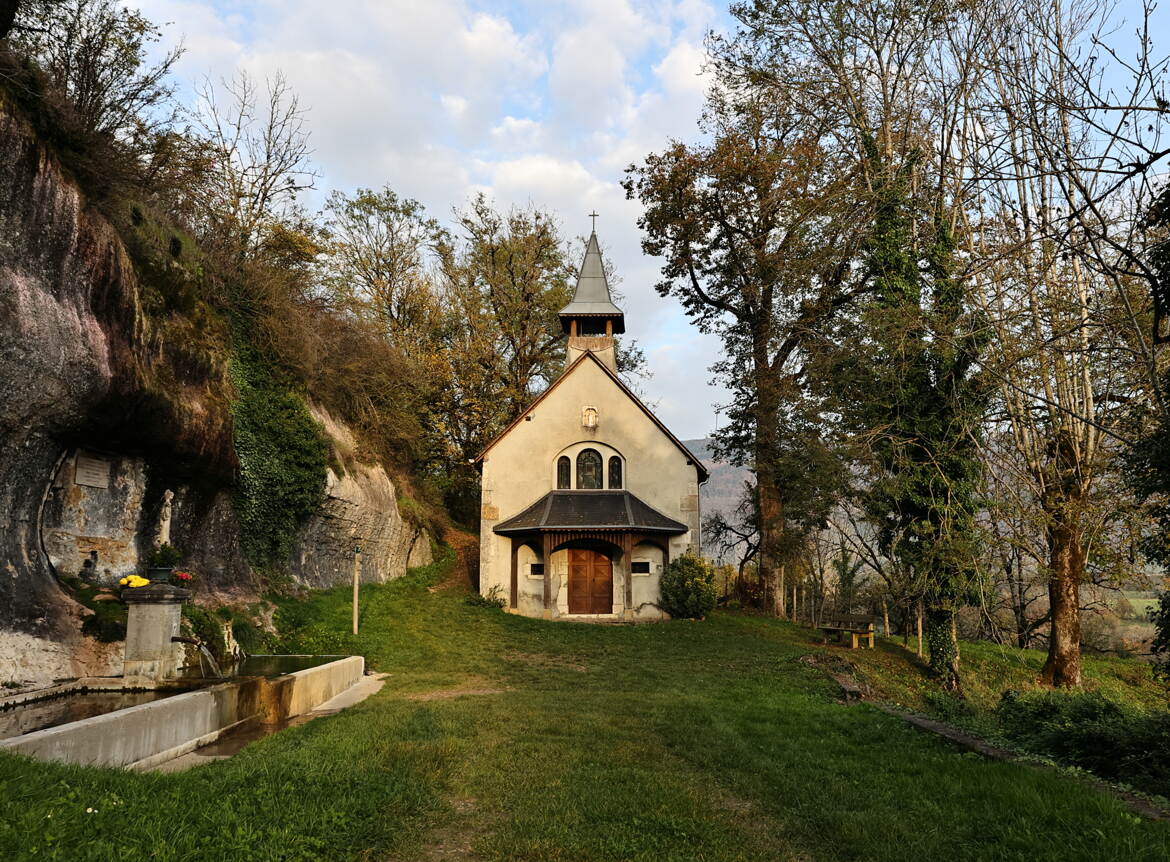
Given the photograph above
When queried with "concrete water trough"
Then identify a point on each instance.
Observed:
(147, 734)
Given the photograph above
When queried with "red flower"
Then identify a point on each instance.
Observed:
(184, 576)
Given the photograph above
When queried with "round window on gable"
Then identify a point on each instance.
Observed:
(564, 472)
(615, 473)
(589, 470)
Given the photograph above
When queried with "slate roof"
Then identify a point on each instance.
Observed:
(592, 298)
(591, 510)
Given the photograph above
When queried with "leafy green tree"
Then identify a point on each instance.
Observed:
(756, 237)
(98, 54)
(377, 265)
(906, 382)
(503, 277)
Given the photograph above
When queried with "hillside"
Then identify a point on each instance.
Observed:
(502, 737)
(723, 490)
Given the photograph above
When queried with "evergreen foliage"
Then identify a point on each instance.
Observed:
(1147, 462)
(912, 390)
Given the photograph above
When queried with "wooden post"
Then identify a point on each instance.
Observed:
(514, 581)
(920, 629)
(357, 577)
(627, 558)
(546, 547)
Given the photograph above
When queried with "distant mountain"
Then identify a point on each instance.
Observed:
(722, 492)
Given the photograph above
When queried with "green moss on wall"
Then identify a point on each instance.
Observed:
(282, 454)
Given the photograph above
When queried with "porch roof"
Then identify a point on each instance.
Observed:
(590, 510)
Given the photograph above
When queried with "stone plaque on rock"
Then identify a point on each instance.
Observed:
(91, 471)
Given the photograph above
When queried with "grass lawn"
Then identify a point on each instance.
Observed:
(501, 737)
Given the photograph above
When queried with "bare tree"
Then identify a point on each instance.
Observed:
(737, 537)
(257, 160)
(1050, 209)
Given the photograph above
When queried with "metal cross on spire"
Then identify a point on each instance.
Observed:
(593, 215)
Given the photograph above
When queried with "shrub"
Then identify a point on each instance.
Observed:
(251, 638)
(207, 629)
(688, 588)
(1160, 617)
(1088, 730)
(164, 556)
(107, 623)
(493, 599)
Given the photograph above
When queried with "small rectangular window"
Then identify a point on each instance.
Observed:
(536, 569)
(640, 567)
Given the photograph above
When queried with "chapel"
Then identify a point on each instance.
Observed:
(586, 496)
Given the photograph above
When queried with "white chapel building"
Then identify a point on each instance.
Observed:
(586, 495)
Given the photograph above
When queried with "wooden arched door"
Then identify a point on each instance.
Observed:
(590, 582)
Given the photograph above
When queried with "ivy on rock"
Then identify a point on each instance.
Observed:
(282, 456)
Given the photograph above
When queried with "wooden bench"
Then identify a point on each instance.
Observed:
(859, 628)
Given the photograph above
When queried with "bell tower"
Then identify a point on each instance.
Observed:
(591, 320)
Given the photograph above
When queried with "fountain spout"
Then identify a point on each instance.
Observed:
(204, 653)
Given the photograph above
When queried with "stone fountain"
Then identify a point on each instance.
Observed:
(153, 622)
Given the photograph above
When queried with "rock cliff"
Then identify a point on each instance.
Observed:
(116, 429)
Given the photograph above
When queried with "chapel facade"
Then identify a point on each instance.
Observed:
(586, 496)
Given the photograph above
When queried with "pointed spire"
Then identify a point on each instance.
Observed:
(592, 297)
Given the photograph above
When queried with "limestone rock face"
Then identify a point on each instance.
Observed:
(81, 521)
(93, 386)
(360, 509)
(64, 292)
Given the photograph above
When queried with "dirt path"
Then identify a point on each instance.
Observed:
(464, 575)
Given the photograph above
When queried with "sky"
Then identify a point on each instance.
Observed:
(533, 102)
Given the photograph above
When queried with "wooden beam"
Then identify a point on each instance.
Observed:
(609, 327)
(628, 565)
(514, 588)
(573, 328)
(547, 544)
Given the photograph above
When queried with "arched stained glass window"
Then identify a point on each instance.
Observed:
(615, 472)
(589, 470)
(564, 471)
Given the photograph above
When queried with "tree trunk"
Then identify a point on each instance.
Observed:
(7, 16)
(918, 615)
(885, 618)
(1066, 569)
(771, 530)
(767, 443)
(944, 646)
